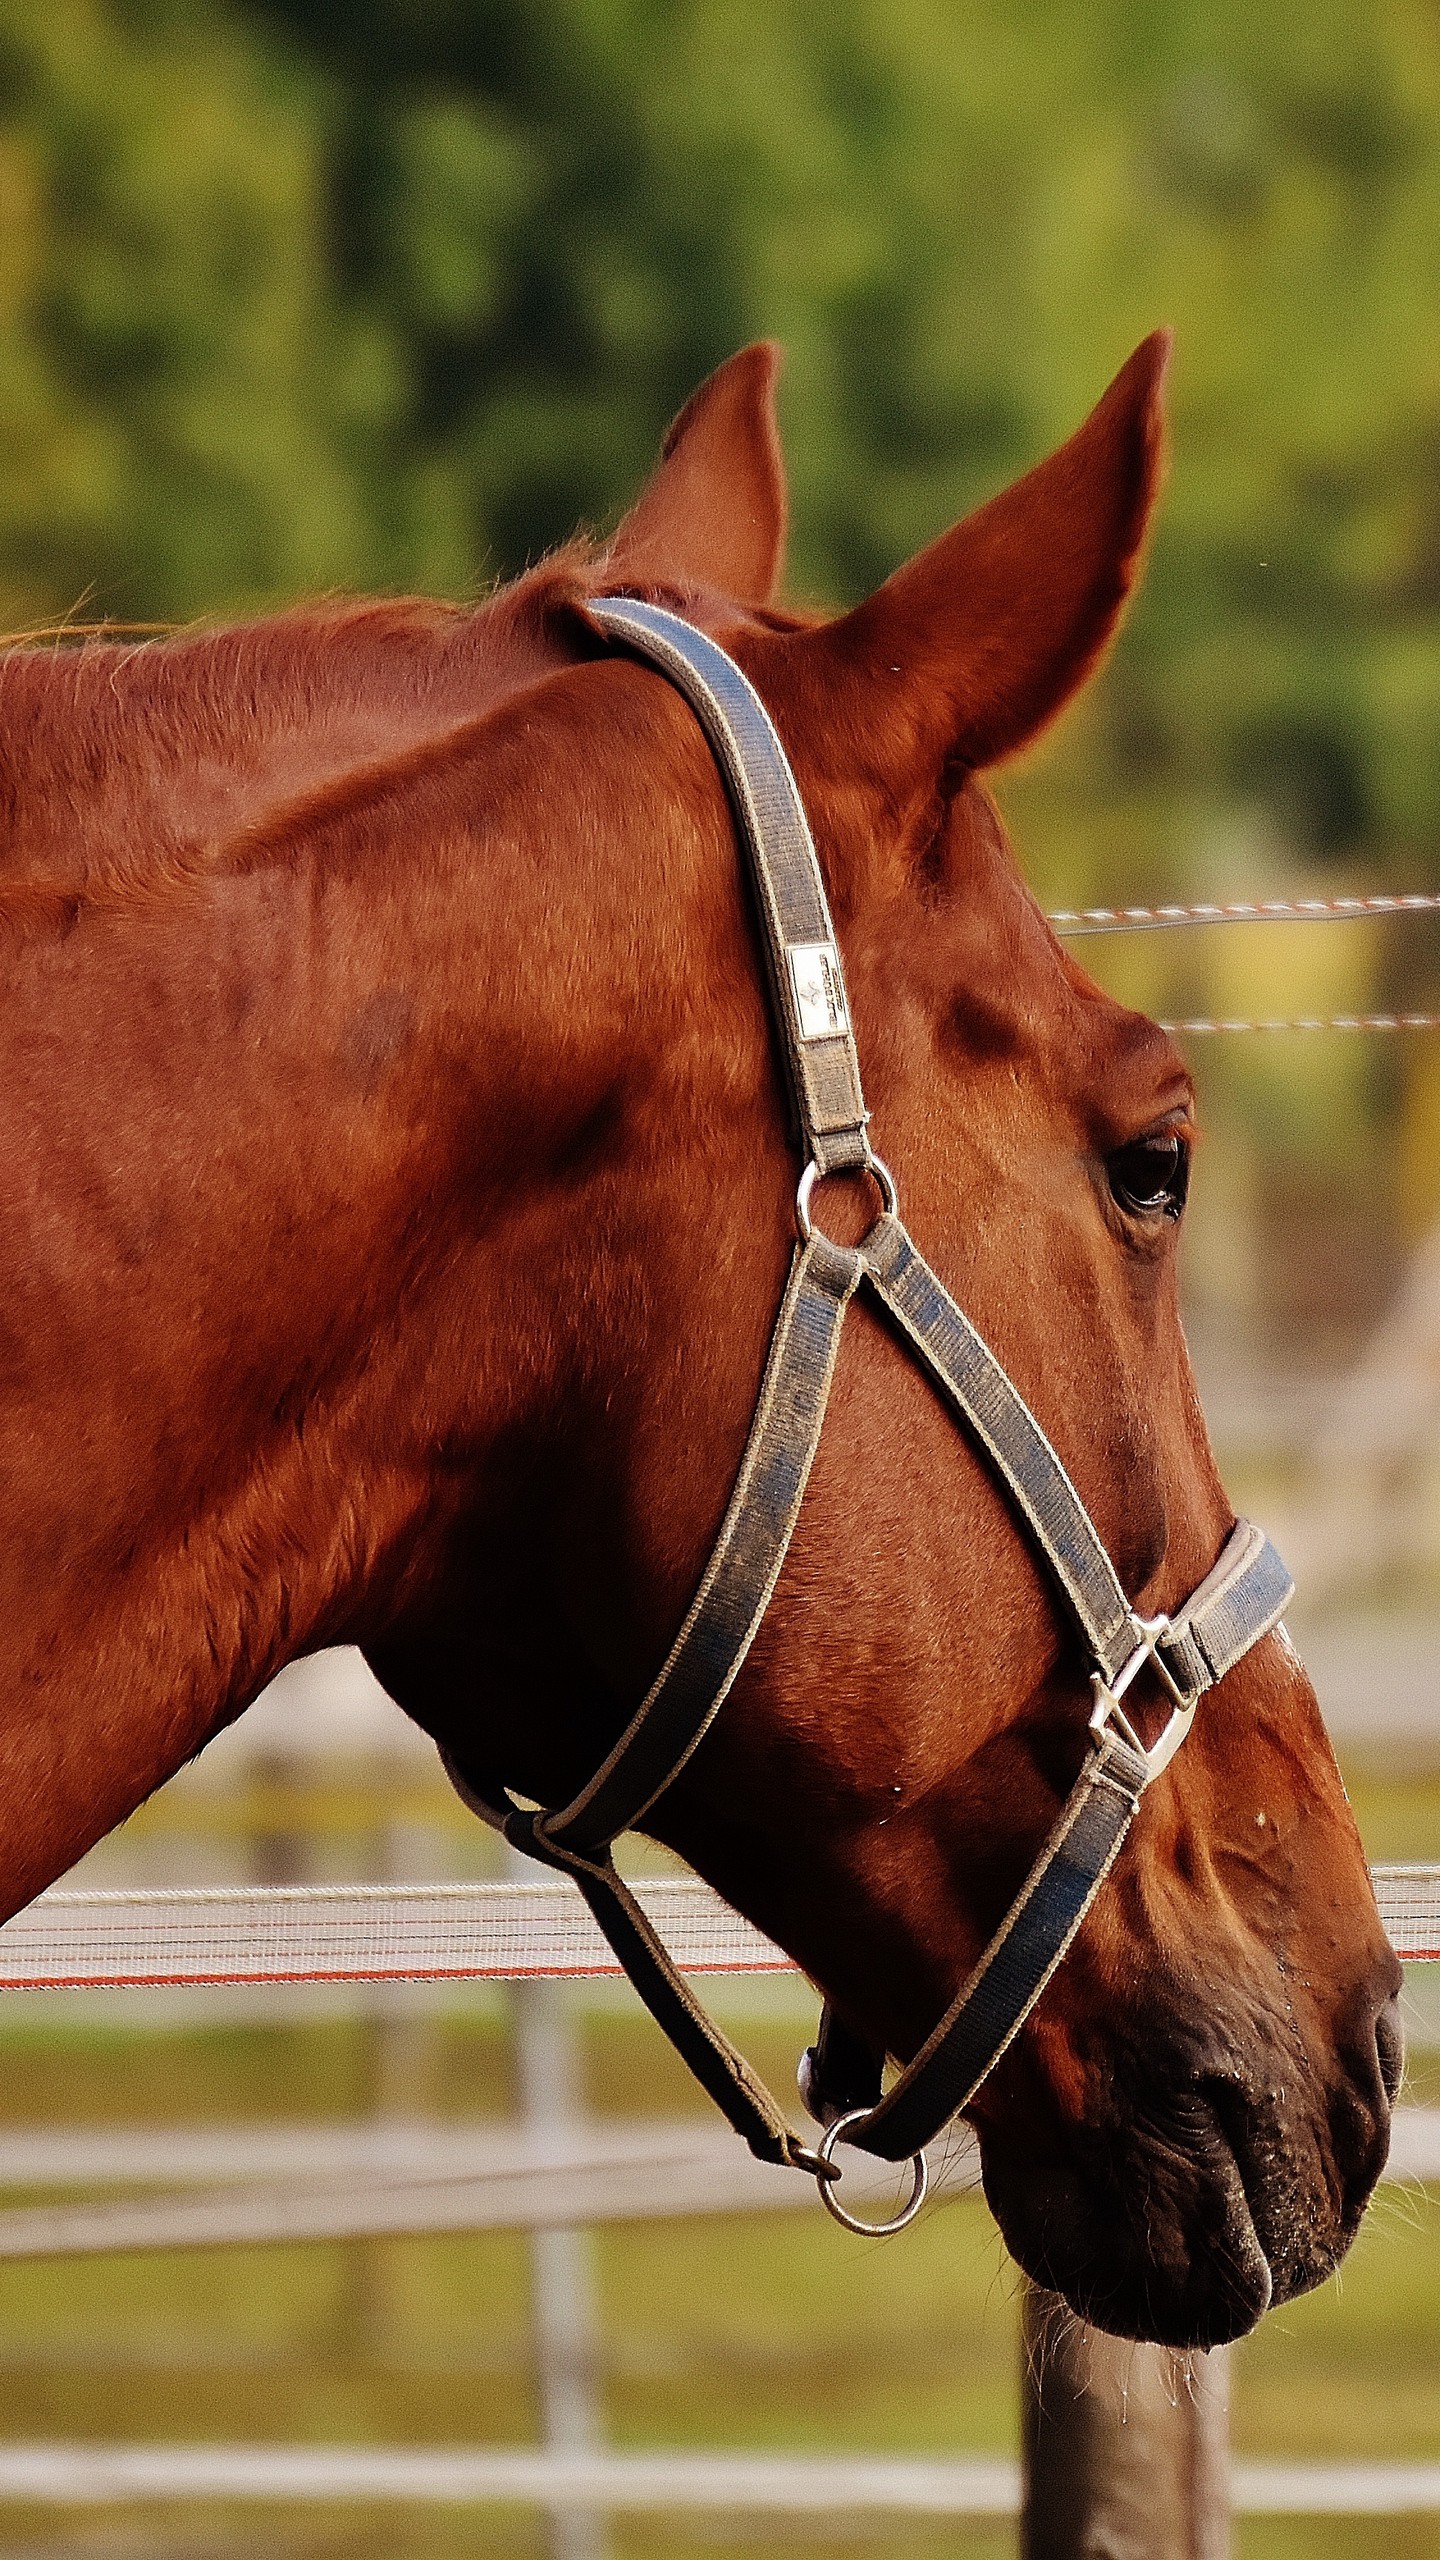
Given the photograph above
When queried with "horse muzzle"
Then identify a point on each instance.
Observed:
(1197, 2190)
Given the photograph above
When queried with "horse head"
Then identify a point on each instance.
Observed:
(1192, 2121)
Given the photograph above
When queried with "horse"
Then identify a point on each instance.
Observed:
(399, 1198)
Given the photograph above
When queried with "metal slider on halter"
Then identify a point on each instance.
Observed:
(1151, 1633)
(1240, 1599)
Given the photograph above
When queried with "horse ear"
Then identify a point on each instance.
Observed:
(993, 628)
(714, 513)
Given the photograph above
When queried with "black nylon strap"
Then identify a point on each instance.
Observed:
(840, 2072)
(1038, 1929)
(732, 1599)
(717, 2064)
(972, 1380)
(705, 2049)
(807, 980)
(1241, 1598)
(1244, 1595)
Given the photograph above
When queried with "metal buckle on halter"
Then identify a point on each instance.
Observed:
(827, 2172)
(1108, 1694)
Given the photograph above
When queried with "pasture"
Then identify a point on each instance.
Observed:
(770, 2333)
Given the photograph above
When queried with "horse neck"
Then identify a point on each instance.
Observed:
(309, 1151)
(123, 766)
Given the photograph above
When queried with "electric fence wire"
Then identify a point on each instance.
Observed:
(1073, 922)
(1200, 1026)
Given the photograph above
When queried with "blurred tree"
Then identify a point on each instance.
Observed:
(295, 292)
(170, 434)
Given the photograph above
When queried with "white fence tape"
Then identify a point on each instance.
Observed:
(1409, 1900)
(435, 1933)
(796, 2484)
(1207, 1026)
(357, 1933)
(492, 2179)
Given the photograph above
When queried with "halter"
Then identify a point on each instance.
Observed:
(1238, 1602)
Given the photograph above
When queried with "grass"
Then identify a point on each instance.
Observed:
(776, 2332)
(1352, 2373)
(379, 2533)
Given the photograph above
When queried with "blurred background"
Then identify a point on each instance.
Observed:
(305, 297)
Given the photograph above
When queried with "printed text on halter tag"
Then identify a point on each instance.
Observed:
(819, 990)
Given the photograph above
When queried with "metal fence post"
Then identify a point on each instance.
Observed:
(563, 2311)
(1126, 2447)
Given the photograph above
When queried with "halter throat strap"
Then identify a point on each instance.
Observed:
(1241, 1598)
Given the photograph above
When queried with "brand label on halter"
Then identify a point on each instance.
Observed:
(819, 990)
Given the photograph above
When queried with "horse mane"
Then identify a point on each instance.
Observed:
(131, 764)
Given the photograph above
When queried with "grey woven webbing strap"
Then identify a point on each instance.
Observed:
(692, 1684)
(807, 981)
(698, 1671)
(1037, 1930)
(1244, 1595)
(972, 1380)
(717, 2064)
(1241, 1598)
(707, 2051)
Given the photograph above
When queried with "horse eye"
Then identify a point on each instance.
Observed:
(1150, 1177)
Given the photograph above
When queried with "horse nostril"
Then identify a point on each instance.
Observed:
(1390, 2049)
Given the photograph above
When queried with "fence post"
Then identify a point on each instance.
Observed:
(1126, 2447)
(564, 2317)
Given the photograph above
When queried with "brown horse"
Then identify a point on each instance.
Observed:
(384, 1040)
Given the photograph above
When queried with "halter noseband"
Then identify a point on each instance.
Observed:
(1239, 1601)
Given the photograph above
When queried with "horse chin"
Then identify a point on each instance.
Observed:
(1182, 2234)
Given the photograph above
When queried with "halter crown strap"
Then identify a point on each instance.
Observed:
(807, 981)
(1239, 1600)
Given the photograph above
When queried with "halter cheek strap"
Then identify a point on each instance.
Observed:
(1238, 1602)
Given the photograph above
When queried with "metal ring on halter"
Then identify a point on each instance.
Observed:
(884, 1183)
(920, 2180)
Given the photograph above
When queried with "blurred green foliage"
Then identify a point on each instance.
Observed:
(305, 293)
